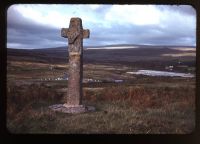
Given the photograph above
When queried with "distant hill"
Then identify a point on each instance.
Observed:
(38, 55)
(139, 46)
(141, 54)
(117, 45)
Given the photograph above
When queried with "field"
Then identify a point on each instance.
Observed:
(125, 103)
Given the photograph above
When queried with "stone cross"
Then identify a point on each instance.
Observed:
(75, 34)
(73, 100)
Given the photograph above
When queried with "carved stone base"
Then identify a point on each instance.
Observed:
(72, 108)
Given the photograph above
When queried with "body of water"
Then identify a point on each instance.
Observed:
(161, 73)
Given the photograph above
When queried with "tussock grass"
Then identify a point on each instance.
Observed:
(120, 109)
(145, 97)
(23, 97)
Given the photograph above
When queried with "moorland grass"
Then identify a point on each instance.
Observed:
(120, 109)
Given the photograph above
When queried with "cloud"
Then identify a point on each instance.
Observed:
(133, 14)
(38, 25)
(27, 33)
(182, 9)
(41, 14)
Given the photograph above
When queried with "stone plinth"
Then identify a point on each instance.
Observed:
(71, 108)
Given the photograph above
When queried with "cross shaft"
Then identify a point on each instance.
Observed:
(75, 34)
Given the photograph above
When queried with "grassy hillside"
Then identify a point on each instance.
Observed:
(137, 105)
(120, 109)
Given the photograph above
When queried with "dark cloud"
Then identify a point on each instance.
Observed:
(25, 32)
(142, 34)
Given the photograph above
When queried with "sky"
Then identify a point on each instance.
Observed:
(32, 26)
